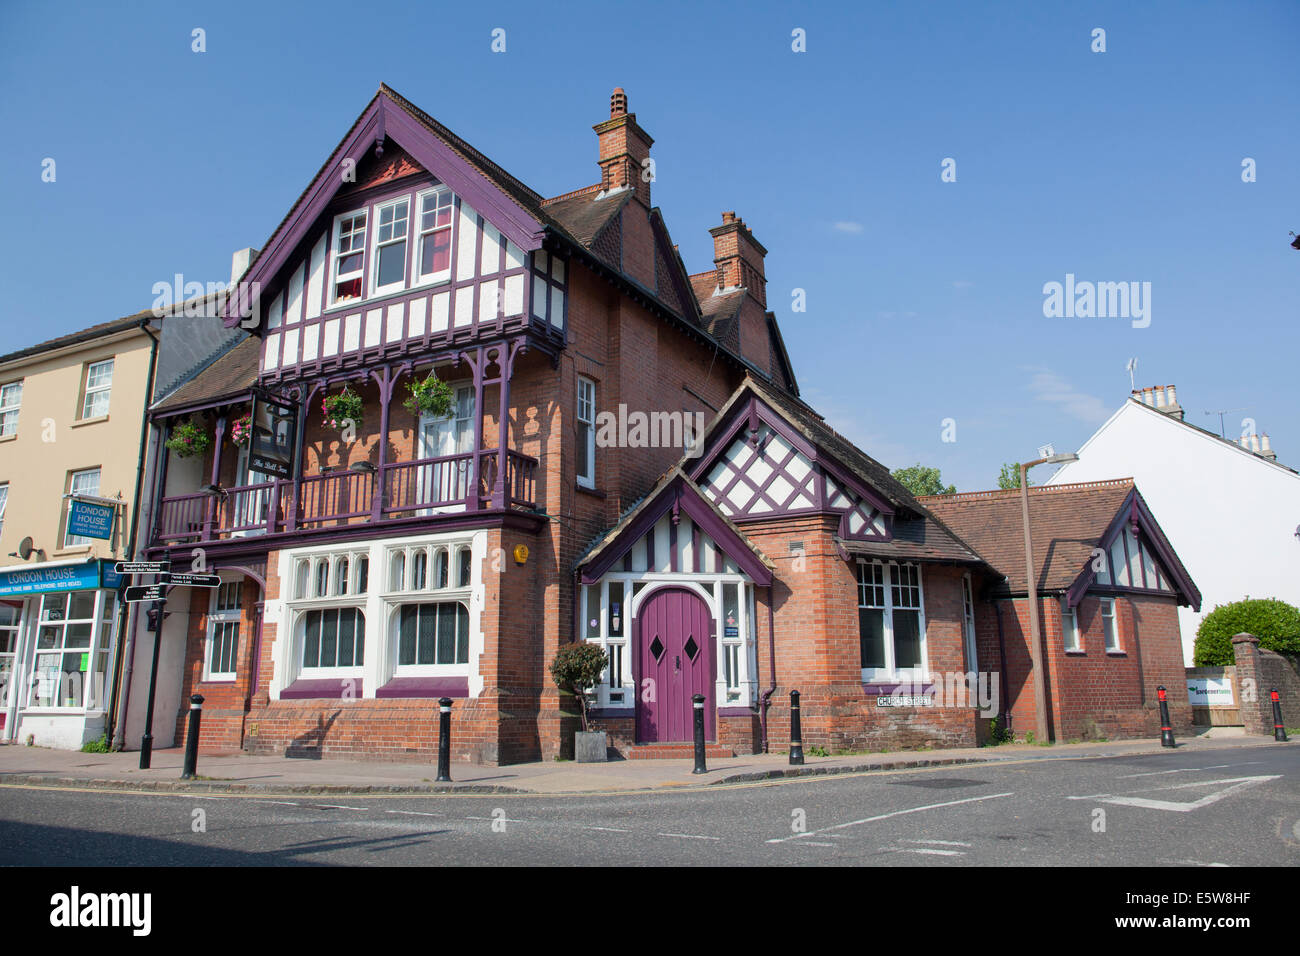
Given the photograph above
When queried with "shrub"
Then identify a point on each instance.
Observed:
(1274, 622)
(577, 669)
(99, 746)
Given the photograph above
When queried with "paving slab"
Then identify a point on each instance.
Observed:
(239, 772)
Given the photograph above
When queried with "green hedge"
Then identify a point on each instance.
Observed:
(1274, 622)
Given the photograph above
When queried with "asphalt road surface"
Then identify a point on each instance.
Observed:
(1225, 807)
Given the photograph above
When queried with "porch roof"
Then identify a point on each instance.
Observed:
(674, 489)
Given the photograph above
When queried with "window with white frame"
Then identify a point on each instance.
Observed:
(98, 386)
(604, 613)
(733, 643)
(80, 483)
(73, 638)
(4, 501)
(434, 251)
(331, 575)
(586, 417)
(11, 616)
(891, 622)
(333, 638)
(11, 400)
(348, 260)
(428, 594)
(392, 220)
(1110, 625)
(1070, 627)
(223, 631)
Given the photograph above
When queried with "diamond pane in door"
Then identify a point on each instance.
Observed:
(675, 648)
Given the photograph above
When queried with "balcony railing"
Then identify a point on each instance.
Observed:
(421, 488)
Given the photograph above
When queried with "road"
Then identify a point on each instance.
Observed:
(1225, 807)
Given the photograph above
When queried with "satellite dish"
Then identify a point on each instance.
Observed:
(25, 548)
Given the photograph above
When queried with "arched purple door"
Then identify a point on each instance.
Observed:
(675, 653)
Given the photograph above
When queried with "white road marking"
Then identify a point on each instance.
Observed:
(917, 849)
(1156, 773)
(333, 806)
(813, 843)
(1237, 783)
(688, 836)
(608, 829)
(414, 813)
(886, 816)
(279, 803)
(502, 819)
(939, 842)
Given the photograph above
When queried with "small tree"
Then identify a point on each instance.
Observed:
(920, 480)
(577, 669)
(1274, 622)
(1009, 477)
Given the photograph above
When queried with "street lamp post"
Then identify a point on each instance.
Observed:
(1031, 583)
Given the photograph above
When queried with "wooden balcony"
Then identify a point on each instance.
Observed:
(424, 488)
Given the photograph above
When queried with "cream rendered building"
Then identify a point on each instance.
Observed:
(72, 419)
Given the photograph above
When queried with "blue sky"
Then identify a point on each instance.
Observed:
(925, 298)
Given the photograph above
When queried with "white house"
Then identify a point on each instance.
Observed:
(1229, 508)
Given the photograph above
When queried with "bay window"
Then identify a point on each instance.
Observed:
(891, 622)
(74, 634)
(332, 637)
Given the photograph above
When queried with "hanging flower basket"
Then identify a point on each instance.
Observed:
(242, 430)
(339, 409)
(188, 439)
(432, 396)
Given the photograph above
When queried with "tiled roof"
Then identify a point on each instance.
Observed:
(1066, 521)
(230, 375)
(719, 317)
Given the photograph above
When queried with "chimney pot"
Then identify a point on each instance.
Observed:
(728, 217)
(1160, 397)
(1146, 396)
(1265, 444)
(1172, 395)
(617, 103)
(1254, 442)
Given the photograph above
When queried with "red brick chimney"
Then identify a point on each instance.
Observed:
(624, 148)
(738, 258)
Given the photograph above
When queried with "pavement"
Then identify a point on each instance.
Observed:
(242, 773)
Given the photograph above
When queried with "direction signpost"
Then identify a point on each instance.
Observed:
(156, 594)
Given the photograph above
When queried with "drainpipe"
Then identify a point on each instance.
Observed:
(125, 615)
(771, 651)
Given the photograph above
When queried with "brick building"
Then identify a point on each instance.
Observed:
(616, 453)
(1109, 586)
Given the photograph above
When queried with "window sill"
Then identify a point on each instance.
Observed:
(591, 490)
(1117, 653)
(69, 552)
(377, 299)
(88, 421)
(428, 687)
(1079, 653)
(5, 438)
(223, 681)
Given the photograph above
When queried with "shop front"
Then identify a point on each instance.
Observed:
(57, 624)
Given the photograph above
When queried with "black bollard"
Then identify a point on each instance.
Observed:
(796, 731)
(192, 738)
(1279, 730)
(444, 739)
(1166, 731)
(699, 734)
